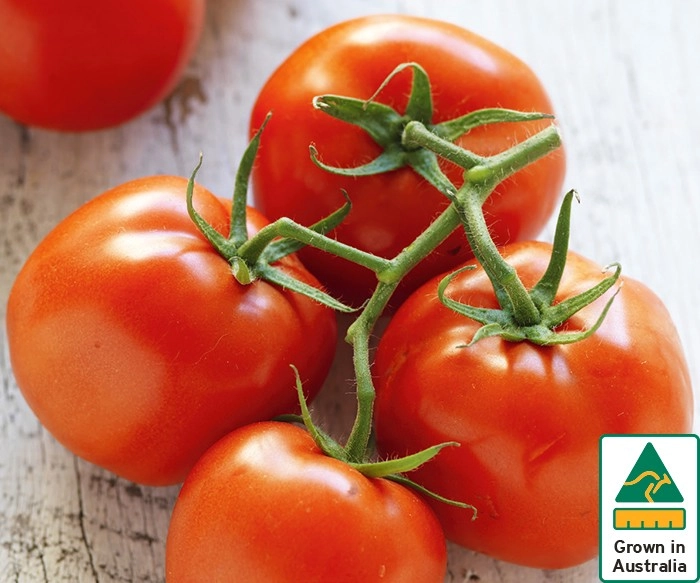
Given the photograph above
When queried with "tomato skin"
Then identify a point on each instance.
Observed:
(528, 418)
(389, 210)
(76, 65)
(265, 504)
(135, 346)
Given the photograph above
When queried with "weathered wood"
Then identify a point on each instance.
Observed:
(623, 78)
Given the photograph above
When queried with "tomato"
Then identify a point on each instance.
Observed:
(78, 65)
(528, 418)
(389, 210)
(136, 347)
(265, 504)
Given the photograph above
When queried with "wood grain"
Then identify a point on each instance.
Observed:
(624, 81)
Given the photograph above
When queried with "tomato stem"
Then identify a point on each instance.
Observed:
(413, 140)
(525, 314)
(407, 140)
(358, 336)
(286, 227)
(497, 168)
(468, 199)
(510, 291)
(417, 134)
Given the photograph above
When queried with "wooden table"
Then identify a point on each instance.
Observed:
(623, 78)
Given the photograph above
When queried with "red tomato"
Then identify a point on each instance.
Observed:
(528, 418)
(265, 504)
(389, 210)
(135, 346)
(79, 65)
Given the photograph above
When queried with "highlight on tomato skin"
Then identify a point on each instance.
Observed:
(135, 346)
(528, 418)
(352, 59)
(266, 504)
(78, 65)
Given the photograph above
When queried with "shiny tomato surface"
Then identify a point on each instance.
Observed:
(265, 504)
(77, 65)
(528, 418)
(136, 347)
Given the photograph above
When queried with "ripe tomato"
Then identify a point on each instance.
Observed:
(389, 210)
(528, 418)
(265, 504)
(135, 346)
(78, 65)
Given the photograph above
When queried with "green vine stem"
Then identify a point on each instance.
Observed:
(359, 332)
(488, 171)
(411, 139)
(390, 272)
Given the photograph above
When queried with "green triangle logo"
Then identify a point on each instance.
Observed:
(649, 481)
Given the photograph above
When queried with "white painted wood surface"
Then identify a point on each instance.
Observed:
(624, 79)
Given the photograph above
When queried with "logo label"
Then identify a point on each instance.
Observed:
(649, 508)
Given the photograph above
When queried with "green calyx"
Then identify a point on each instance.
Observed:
(396, 132)
(529, 314)
(393, 469)
(253, 258)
